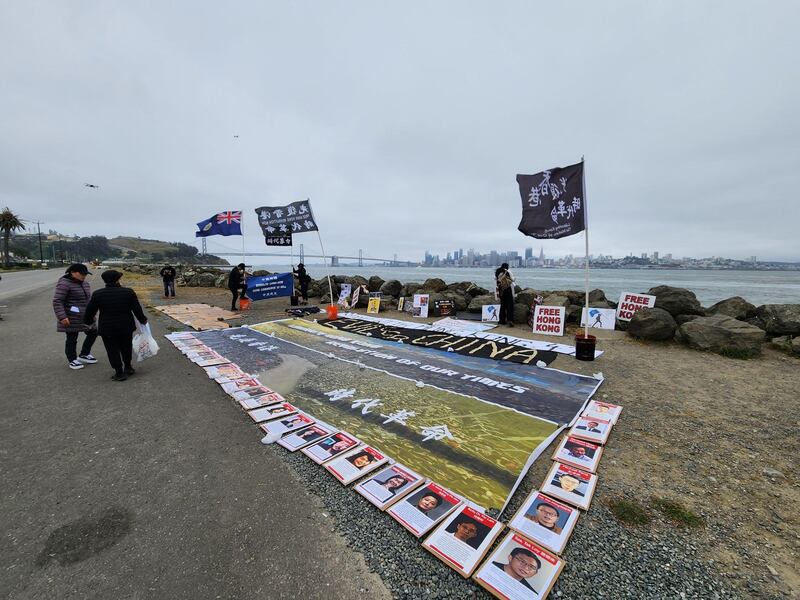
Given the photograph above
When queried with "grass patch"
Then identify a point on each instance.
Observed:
(629, 513)
(677, 513)
(738, 353)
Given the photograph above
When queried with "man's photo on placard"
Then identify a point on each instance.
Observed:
(466, 529)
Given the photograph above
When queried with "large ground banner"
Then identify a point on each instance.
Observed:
(470, 424)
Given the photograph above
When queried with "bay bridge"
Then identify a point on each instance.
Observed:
(333, 260)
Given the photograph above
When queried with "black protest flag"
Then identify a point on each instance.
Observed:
(278, 223)
(553, 202)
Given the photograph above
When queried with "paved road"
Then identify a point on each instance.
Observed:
(152, 488)
(15, 283)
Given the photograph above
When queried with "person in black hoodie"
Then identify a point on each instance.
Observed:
(117, 305)
(304, 279)
(168, 277)
(236, 283)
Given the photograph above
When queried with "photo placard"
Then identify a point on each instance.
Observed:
(420, 305)
(373, 305)
(549, 320)
(389, 485)
(421, 511)
(589, 428)
(463, 538)
(490, 313)
(311, 435)
(401, 302)
(519, 569)
(344, 295)
(356, 463)
(629, 304)
(245, 383)
(263, 400)
(578, 453)
(599, 318)
(443, 308)
(331, 447)
(570, 485)
(268, 413)
(602, 410)
(545, 521)
(251, 393)
(293, 422)
(229, 371)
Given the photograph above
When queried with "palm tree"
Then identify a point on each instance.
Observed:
(9, 222)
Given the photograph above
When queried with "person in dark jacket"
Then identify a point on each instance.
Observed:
(168, 277)
(505, 293)
(117, 305)
(236, 283)
(304, 279)
(69, 304)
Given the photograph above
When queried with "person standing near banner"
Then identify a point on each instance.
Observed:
(304, 279)
(117, 305)
(236, 283)
(505, 294)
(168, 277)
(69, 304)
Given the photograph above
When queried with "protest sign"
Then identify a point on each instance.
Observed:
(630, 304)
(374, 305)
(271, 412)
(592, 429)
(331, 447)
(599, 318)
(602, 410)
(389, 485)
(578, 453)
(269, 286)
(490, 313)
(306, 437)
(463, 538)
(422, 510)
(420, 305)
(360, 461)
(570, 485)
(546, 521)
(443, 308)
(549, 320)
(344, 295)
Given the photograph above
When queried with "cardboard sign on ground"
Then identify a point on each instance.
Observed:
(549, 320)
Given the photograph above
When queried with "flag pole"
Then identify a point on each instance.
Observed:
(241, 228)
(322, 248)
(586, 237)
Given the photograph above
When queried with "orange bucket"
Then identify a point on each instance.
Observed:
(244, 304)
(333, 312)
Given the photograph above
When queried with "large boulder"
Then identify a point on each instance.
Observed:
(526, 296)
(652, 324)
(476, 304)
(434, 285)
(521, 313)
(391, 288)
(557, 300)
(782, 343)
(736, 307)
(461, 286)
(205, 280)
(375, 283)
(597, 295)
(476, 290)
(780, 319)
(722, 334)
(460, 301)
(410, 289)
(221, 281)
(676, 301)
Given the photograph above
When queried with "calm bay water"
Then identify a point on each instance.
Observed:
(758, 287)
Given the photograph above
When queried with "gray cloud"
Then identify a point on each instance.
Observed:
(406, 125)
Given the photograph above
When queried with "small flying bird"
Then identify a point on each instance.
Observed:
(91, 185)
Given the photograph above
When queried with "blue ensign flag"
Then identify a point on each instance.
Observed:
(228, 222)
(269, 286)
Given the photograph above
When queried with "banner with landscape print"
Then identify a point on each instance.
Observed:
(470, 424)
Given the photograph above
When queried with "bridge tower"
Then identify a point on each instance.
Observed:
(360, 257)
(394, 262)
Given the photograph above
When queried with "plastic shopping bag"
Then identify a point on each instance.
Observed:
(144, 344)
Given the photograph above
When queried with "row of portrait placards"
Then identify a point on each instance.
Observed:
(524, 565)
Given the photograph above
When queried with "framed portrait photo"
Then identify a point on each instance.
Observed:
(591, 429)
(389, 485)
(245, 383)
(420, 511)
(331, 447)
(356, 463)
(263, 400)
(571, 485)
(578, 453)
(462, 539)
(545, 521)
(519, 569)
(602, 410)
(293, 422)
(311, 435)
(269, 413)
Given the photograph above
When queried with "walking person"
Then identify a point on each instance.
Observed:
(117, 305)
(70, 299)
(236, 283)
(168, 274)
(304, 279)
(505, 293)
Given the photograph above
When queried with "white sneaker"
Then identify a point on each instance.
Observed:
(74, 364)
(86, 359)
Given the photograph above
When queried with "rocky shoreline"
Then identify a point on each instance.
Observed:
(733, 327)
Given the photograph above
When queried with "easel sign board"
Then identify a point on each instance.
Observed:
(317, 432)
(599, 318)
(421, 511)
(331, 447)
(549, 320)
(629, 304)
(463, 538)
(545, 521)
(518, 569)
(591, 429)
(389, 485)
(571, 485)
(603, 411)
(293, 422)
(578, 453)
(356, 463)
(268, 413)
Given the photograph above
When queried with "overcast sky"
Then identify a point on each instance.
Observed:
(406, 123)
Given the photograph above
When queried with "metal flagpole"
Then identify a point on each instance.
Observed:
(324, 258)
(241, 228)
(586, 237)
